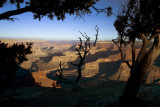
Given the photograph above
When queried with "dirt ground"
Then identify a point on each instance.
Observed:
(93, 93)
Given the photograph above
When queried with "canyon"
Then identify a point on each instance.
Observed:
(103, 61)
(104, 76)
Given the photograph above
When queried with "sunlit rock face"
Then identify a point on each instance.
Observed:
(122, 74)
(102, 61)
(90, 69)
(42, 80)
(153, 75)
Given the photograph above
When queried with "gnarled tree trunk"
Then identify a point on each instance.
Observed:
(139, 70)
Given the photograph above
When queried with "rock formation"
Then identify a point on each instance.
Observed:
(122, 74)
(42, 80)
(103, 60)
(152, 75)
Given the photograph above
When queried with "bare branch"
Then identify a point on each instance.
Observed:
(78, 14)
(80, 45)
(97, 29)
(82, 34)
(128, 64)
(107, 10)
(74, 64)
(122, 54)
(143, 37)
(85, 36)
(79, 53)
(60, 75)
(58, 70)
(61, 69)
(83, 50)
(56, 74)
(154, 35)
(133, 52)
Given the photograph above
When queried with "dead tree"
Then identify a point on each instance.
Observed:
(59, 74)
(82, 50)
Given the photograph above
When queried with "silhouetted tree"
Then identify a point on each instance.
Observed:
(82, 50)
(138, 20)
(51, 8)
(10, 58)
(59, 74)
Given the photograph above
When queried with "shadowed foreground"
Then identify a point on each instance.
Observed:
(93, 93)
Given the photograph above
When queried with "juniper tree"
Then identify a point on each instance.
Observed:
(10, 59)
(138, 20)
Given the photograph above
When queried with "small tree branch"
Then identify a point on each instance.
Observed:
(60, 73)
(74, 64)
(133, 52)
(61, 69)
(78, 14)
(154, 35)
(80, 43)
(128, 64)
(56, 74)
(79, 53)
(143, 38)
(121, 51)
(82, 50)
(107, 10)
(8, 14)
(97, 29)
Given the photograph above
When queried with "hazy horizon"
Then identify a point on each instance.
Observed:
(14, 38)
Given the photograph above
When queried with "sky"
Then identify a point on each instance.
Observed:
(28, 28)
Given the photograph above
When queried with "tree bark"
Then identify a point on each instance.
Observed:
(134, 82)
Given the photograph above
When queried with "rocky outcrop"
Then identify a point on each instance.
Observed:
(152, 75)
(103, 60)
(122, 74)
(42, 80)
(90, 69)
(115, 57)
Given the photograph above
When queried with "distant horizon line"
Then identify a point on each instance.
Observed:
(48, 39)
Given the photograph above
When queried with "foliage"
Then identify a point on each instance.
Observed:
(138, 18)
(51, 8)
(10, 58)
